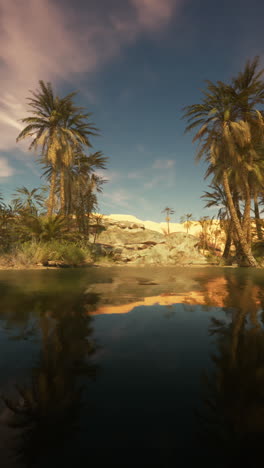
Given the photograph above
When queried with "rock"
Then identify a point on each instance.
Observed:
(129, 243)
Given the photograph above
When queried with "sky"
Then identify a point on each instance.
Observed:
(135, 65)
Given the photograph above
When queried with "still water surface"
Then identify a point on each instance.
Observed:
(137, 367)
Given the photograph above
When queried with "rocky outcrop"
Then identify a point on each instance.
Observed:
(131, 243)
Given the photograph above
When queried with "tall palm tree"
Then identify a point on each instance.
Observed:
(57, 126)
(168, 211)
(226, 142)
(256, 183)
(249, 88)
(226, 221)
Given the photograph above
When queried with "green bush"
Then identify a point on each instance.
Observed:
(68, 253)
(32, 253)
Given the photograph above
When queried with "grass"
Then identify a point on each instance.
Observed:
(40, 253)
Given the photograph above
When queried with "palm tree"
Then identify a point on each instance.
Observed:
(217, 198)
(227, 142)
(168, 211)
(7, 226)
(204, 222)
(29, 200)
(186, 219)
(256, 184)
(58, 126)
(226, 221)
(43, 228)
(250, 90)
(81, 183)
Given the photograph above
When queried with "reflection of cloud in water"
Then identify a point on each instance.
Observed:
(213, 295)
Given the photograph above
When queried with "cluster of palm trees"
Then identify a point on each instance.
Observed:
(230, 133)
(61, 131)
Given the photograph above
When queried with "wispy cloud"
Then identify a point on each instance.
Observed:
(163, 164)
(135, 175)
(117, 197)
(41, 40)
(153, 14)
(109, 176)
(5, 169)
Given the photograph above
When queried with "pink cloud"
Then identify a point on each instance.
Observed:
(40, 40)
(153, 14)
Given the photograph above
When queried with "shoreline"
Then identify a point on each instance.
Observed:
(130, 265)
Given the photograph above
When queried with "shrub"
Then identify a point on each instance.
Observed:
(69, 253)
(31, 253)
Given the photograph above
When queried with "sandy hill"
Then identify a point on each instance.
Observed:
(159, 227)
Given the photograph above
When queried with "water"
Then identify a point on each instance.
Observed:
(129, 366)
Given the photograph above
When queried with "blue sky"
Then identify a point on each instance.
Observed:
(136, 63)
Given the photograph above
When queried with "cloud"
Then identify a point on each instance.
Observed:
(110, 176)
(118, 197)
(5, 169)
(153, 13)
(163, 164)
(135, 175)
(42, 39)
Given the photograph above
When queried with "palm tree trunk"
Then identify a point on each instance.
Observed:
(228, 242)
(62, 191)
(257, 217)
(246, 248)
(246, 224)
(236, 203)
(168, 222)
(52, 193)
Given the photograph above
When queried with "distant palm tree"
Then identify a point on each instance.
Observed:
(204, 222)
(58, 126)
(29, 200)
(168, 211)
(186, 220)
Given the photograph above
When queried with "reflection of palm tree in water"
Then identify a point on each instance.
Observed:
(233, 412)
(47, 411)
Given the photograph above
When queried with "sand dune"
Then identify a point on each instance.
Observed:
(159, 227)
